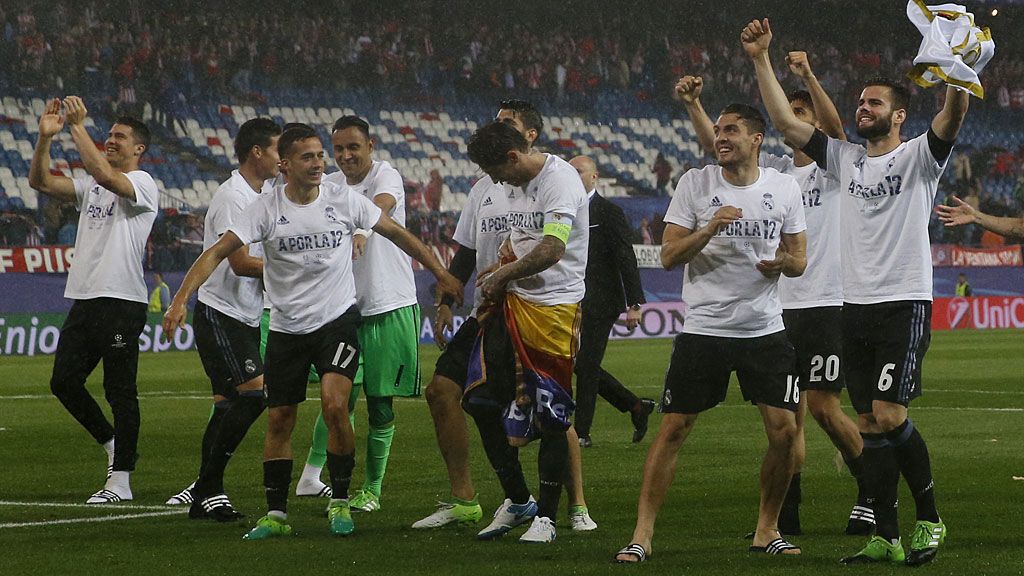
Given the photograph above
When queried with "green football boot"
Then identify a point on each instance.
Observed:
(268, 527)
(878, 550)
(340, 516)
(925, 541)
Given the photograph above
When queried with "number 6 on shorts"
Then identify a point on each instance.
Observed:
(885, 379)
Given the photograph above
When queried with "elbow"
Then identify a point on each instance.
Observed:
(797, 269)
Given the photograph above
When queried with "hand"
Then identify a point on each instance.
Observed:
(492, 285)
(173, 318)
(74, 110)
(723, 217)
(51, 122)
(772, 268)
(505, 252)
(688, 89)
(632, 319)
(799, 65)
(756, 37)
(962, 213)
(448, 285)
(358, 246)
(443, 321)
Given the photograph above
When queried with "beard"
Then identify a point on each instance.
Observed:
(880, 128)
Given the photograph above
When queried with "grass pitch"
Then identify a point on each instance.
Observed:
(971, 415)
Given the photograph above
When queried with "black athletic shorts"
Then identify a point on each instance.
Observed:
(883, 348)
(228, 348)
(817, 335)
(453, 363)
(698, 374)
(334, 347)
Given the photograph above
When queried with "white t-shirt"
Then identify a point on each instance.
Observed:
(483, 225)
(555, 195)
(724, 292)
(307, 253)
(887, 202)
(111, 240)
(384, 277)
(239, 297)
(822, 282)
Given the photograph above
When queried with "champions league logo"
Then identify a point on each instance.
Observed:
(118, 341)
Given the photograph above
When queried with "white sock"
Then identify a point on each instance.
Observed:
(277, 515)
(109, 447)
(311, 474)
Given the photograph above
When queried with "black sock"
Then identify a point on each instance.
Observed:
(504, 458)
(793, 495)
(277, 478)
(881, 481)
(339, 469)
(856, 468)
(915, 465)
(234, 424)
(219, 410)
(552, 461)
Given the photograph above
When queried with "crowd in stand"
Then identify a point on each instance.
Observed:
(175, 57)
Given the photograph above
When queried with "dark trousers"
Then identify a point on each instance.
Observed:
(104, 329)
(591, 379)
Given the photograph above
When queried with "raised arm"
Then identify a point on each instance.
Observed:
(679, 245)
(96, 163)
(829, 121)
(963, 213)
(688, 90)
(756, 38)
(39, 176)
(197, 274)
(948, 121)
(447, 285)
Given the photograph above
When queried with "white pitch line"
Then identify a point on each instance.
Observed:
(87, 520)
(83, 505)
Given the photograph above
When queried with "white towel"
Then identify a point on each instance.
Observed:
(953, 49)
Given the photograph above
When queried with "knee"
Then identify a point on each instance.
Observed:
(441, 391)
(782, 433)
(280, 421)
(675, 430)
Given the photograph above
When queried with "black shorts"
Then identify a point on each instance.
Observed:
(883, 348)
(334, 347)
(698, 374)
(817, 335)
(453, 363)
(228, 348)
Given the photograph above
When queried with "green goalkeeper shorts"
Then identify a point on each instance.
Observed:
(389, 359)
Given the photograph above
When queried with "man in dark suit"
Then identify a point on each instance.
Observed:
(613, 285)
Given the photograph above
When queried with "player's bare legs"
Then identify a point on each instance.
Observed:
(659, 471)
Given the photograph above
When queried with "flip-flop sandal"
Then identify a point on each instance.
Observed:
(634, 550)
(777, 546)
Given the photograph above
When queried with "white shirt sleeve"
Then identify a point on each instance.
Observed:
(389, 182)
(557, 198)
(466, 228)
(680, 209)
(253, 224)
(840, 153)
(147, 195)
(794, 219)
(365, 214)
(82, 186)
(930, 167)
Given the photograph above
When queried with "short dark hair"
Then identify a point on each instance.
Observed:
(291, 125)
(801, 96)
(751, 116)
(490, 145)
(255, 132)
(140, 132)
(352, 122)
(292, 135)
(900, 93)
(529, 115)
